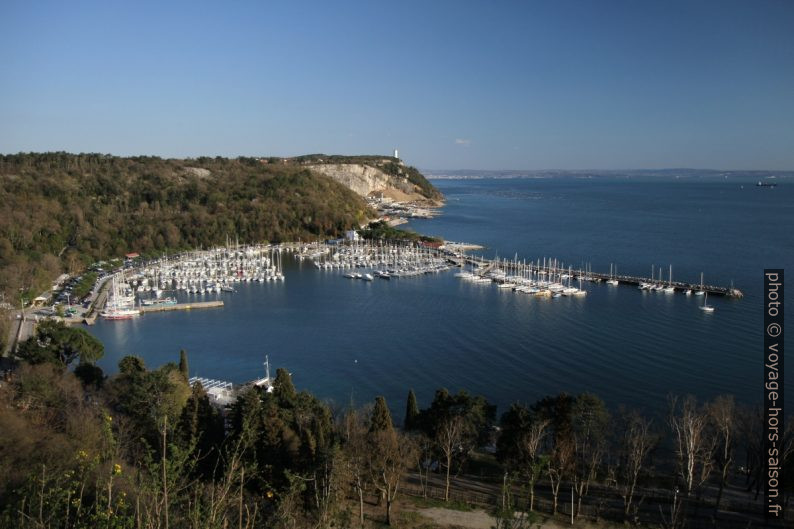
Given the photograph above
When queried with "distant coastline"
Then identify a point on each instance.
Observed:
(711, 174)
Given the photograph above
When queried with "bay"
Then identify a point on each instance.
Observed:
(352, 340)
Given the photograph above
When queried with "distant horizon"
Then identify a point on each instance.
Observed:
(422, 169)
(614, 170)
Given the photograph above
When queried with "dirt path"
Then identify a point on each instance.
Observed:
(476, 519)
(479, 519)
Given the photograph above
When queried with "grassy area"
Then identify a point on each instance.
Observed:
(485, 467)
(428, 503)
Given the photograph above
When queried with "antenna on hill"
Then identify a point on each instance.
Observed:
(267, 368)
(396, 154)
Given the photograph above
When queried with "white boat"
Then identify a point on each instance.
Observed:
(706, 307)
(119, 314)
(368, 277)
(612, 281)
(701, 291)
(670, 288)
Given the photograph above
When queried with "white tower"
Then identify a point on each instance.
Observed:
(396, 154)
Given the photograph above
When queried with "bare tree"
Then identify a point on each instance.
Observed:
(328, 482)
(531, 444)
(354, 434)
(688, 423)
(558, 467)
(590, 420)
(723, 416)
(636, 441)
(423, 457)
(449, 436)
(389, 456)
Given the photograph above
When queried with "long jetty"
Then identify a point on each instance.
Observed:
(181, 306)
(486, 265)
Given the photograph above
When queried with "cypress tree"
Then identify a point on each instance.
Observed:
(381, 417)
(283, 389)
(183, 367)
(411, 412)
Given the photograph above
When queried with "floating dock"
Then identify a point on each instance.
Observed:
(182, 306)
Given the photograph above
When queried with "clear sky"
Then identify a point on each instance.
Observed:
(563, 84)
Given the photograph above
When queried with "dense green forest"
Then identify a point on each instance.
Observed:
(60, 211)
(144, 449)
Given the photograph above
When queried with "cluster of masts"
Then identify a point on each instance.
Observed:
(546, 279)
(120, 304)
(201, 272)
(550, 278)
(384, 260)
(668, 288)
(211, 271)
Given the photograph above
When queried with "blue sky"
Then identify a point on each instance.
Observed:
(481, 85)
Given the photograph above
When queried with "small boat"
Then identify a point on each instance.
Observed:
(367, 277)
(765, 184)
(706, 307)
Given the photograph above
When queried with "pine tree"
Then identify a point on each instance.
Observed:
(183, 367)
(411, 412)
(381, 417)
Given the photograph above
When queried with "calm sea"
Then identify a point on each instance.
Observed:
(344, 339)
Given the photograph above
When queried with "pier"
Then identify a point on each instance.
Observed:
(485, 266)
(182, 306)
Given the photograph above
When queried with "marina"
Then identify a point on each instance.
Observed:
(204, 273)
(341, 335)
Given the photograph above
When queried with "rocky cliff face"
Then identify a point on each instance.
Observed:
(366, 180)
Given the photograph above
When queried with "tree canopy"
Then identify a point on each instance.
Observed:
(58, 343)
(61, 211)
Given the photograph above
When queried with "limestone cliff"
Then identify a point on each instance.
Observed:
(386, 177)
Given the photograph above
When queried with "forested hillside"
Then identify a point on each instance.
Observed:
(59, 211)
